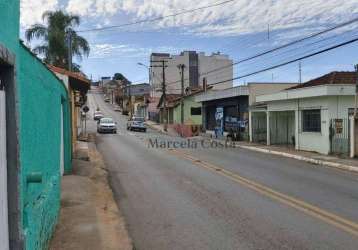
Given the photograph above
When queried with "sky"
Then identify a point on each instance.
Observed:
(240, 29)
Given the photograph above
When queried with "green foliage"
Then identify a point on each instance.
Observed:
(119, 76)
(55, 35)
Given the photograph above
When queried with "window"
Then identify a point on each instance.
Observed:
(311, 120)
(195, 111)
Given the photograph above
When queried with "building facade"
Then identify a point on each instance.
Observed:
(232, 107)
(77, 86)
(197, 67)
(34, 109)
(313, 116)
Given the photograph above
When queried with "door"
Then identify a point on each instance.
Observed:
(4, 230)
(339, 136)
(62, 153)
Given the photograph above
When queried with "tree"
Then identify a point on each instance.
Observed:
(119, 76)
(55, 35)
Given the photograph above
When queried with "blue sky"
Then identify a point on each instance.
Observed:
(238, 29)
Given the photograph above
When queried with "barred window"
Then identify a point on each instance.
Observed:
(195, 111)
(311, 120)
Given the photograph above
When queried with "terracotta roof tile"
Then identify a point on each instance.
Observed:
(75, 75)
(344, 77)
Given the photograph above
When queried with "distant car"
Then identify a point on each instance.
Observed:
(117, 109)
(97, 115)
(106, 99)
(136, 123)
(107, 125)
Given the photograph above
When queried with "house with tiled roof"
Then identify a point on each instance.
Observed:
(77, 86)
(313, 116)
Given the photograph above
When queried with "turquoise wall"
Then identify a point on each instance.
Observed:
(9, 31)
(41, 95)
(39, 98)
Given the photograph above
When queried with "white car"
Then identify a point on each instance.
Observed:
(137, 123)
(107, 125)
(97, 115)
(117, 108)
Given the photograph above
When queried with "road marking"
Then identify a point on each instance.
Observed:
(316, 212)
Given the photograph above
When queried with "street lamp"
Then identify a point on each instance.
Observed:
(149, 73)
(142, 64)
(148, 68)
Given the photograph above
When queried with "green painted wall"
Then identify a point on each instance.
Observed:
(39, 98)
(9, 33)
(189, 119)
(41, 95)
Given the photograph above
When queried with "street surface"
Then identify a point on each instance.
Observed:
(224, 198)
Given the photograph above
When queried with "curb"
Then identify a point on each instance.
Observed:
(157, 129)
(302, 158)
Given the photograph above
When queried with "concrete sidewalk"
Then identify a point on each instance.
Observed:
(290, 152)
(160, 128)
(311, 157)
(89, 218)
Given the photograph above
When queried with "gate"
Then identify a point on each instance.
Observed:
(339, 136)
(259, 127)
(4, 230)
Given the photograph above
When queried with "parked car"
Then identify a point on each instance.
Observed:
(136, 123)
(107, 125)
(107, 99)
(117, 108)
(97, 115)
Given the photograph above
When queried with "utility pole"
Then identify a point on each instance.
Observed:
(181, 68)
(300, 71)
(130, 100)
(69, 45)
(355, 101)
(165, 99)
(164, 95)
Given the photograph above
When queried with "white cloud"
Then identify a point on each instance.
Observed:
(93, 7)
(80, 7)
(32, 10)
(236, 18)
(108, 50)
(105, 7)
(239, 17)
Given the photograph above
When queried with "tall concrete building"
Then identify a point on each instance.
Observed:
(197, 67)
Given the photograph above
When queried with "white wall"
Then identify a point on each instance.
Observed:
(331, 107)
(209, 63)
(4, 231)
(157, 75)
(64, 78)
(206, 63)
(256, 89)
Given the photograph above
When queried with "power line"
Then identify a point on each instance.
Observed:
(306, 47)
(289, 62)
(157, 18)
(276, 48)
(286, 45)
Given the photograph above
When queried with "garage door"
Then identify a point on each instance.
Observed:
(4, 232)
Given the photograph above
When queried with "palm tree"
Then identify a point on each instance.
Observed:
(56, 34)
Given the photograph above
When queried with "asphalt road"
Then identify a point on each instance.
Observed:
(224, 198)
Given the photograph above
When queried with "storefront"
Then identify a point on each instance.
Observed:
(226, 111)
